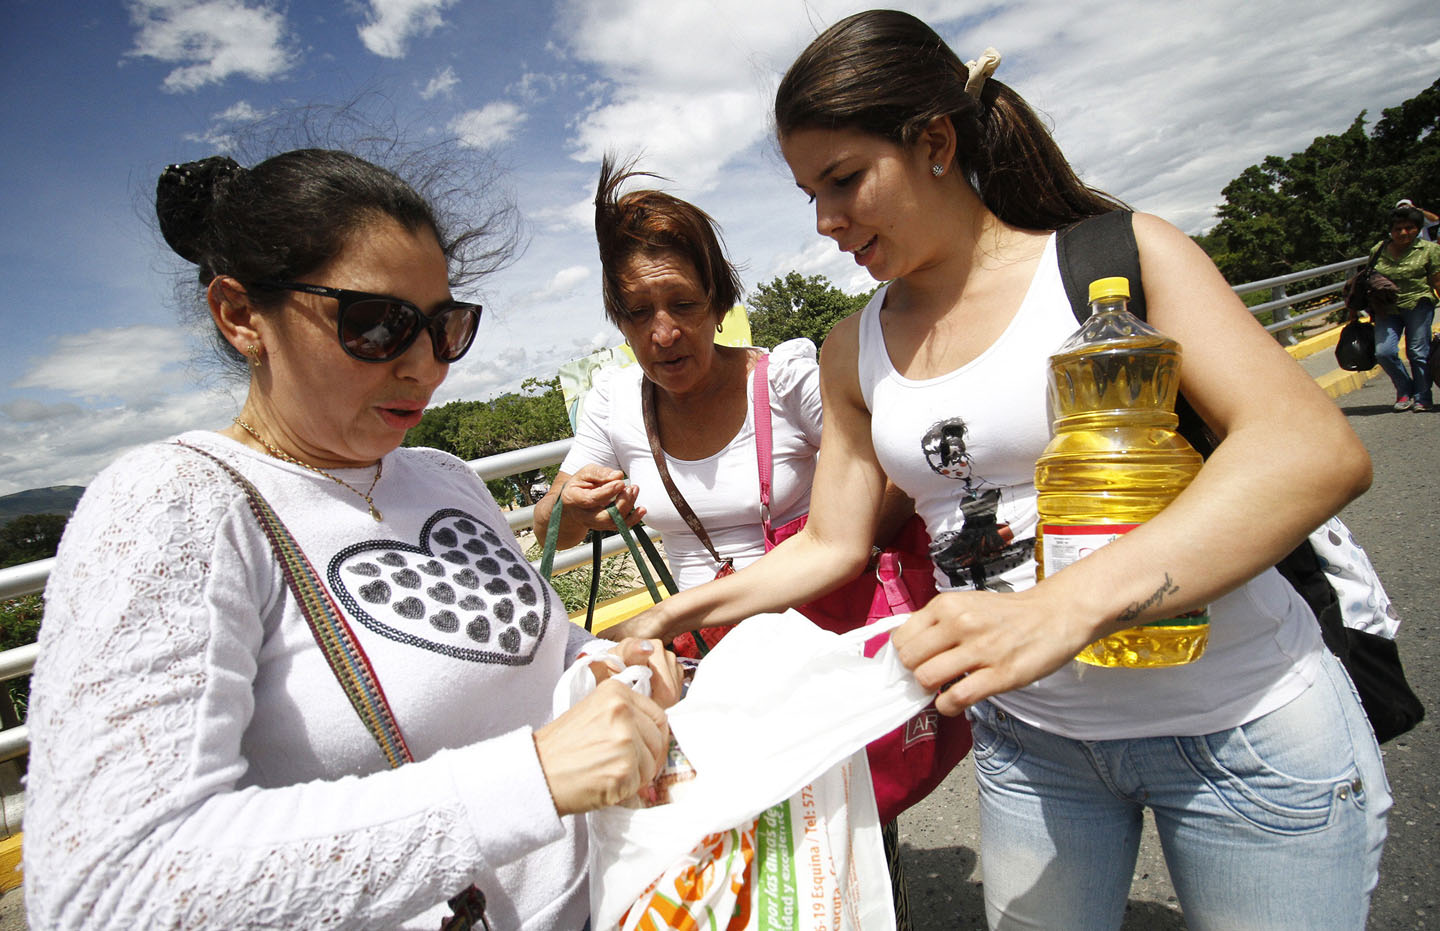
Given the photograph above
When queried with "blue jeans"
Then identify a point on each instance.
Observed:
(1415, 322)
(1276, 824)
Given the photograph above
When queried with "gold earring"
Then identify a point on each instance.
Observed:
(720, 327)
(254, 352)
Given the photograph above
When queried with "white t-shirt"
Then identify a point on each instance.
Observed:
(724, 489)
(194, 759)
(964, 446)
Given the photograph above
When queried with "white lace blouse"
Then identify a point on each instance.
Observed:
(194, 762)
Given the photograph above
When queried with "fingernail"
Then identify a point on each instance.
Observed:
(647, 647)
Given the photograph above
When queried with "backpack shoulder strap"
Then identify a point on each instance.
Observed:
(1104, 247)
(1099, 247)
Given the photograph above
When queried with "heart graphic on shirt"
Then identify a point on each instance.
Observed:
(462, 591)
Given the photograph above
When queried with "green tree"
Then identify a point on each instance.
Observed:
(1330, 201)
(30, 537)
(795, 306)
(438, 425)
(515, 420)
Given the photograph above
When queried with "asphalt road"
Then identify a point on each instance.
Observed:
(1396, 522)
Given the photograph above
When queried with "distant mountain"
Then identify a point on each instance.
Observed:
(57, 499)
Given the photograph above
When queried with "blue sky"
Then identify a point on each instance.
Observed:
(1158, 101)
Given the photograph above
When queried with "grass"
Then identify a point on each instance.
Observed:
(617, 575)
(19, 625)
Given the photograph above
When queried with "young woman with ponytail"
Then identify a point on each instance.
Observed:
(1260, 768)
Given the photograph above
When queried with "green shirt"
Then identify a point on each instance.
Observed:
(1412, 272)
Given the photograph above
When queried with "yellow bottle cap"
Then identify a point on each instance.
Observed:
(1101, 288)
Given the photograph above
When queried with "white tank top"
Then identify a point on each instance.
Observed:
(964, 446)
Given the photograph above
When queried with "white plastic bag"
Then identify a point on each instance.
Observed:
(779, 712)
(1363, 602)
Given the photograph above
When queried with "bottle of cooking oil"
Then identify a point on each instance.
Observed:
(1115, 461)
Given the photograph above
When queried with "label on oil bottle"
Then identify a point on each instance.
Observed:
(1065, 543)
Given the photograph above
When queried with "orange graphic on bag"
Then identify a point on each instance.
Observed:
(716, 887)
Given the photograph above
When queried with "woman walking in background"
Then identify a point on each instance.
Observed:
(1414, 265)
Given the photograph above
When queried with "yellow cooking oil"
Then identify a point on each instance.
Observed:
(1115, 461)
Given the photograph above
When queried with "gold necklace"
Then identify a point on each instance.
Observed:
(281, 454)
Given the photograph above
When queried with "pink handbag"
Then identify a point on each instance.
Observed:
(909, 762)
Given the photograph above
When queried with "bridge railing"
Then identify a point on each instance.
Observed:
(1281, 301)
(1320, 301)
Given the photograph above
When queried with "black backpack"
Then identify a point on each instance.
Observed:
(1104, 246)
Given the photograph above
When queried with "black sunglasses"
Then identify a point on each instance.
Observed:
(379, 328)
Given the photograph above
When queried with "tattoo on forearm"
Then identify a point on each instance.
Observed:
(1137, 608)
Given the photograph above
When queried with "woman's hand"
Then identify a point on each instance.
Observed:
(984, 643)
(603, 750)
(592, 490)
(586, 497)
(666, 676)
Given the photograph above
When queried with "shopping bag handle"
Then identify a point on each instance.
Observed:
(636, 540)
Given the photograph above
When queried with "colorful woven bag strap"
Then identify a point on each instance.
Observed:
(331, 631)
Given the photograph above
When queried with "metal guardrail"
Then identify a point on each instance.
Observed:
(1280, 301)
(30, 578)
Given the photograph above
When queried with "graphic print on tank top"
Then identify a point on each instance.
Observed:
(460, 591)
(975, 555)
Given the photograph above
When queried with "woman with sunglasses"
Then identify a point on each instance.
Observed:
(1257, 762)
(195, 759)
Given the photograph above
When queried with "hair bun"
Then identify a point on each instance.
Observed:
(182, 201)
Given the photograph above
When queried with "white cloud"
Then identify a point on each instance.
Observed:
(238, 112)
(684, 82)
(1167, 117)
(442, 83)
(1163, 119)
(575, 217)
(70, 450)
(393, 23)
(218, 135)
(536, 86)
(562, 285)
(28, 410)
(488, 126)
(683, 134)
(133, 364)
(214, 39)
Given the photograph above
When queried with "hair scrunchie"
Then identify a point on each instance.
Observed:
(183, 196)
(980, 70)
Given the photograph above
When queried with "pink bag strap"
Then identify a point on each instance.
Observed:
(764, 448)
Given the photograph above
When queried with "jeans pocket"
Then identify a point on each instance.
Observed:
(1280, 772)
(995, 745)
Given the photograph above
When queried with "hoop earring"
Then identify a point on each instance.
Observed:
(720, 327)
(937, 170)
(254, 352)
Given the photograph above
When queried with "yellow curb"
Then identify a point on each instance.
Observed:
(10, 873)
(612, 611)
(1311, 345)
(1341, 382)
